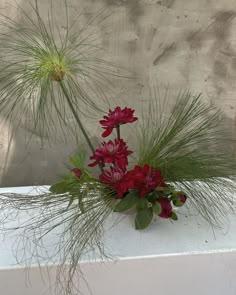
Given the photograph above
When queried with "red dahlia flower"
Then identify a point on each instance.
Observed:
(118, 179)
(146, 179)
(112, 152)
(166, 207)
(115, 118)
(143, 179)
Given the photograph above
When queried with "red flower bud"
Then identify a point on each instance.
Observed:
(179, 199)
(166, 207)
(77, 172)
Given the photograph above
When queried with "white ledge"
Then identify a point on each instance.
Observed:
(186, 250)
(188, 235)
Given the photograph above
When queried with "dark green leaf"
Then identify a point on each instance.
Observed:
(156, 207)
(59, 188)
(142, 203)
(151, 197)
(70, 177)
(143, 218)
(127, 202)
(178, 203)
(174, 216)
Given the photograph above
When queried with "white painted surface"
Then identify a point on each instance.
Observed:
(180, 258)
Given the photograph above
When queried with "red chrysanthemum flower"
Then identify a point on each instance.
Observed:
(146, 179)
(166, 207)
(115, 152)
(115, 118)
(118, 179)
(77, 172)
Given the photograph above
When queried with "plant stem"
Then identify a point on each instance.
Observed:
(78, 119)
(118, 132)
(76, 116)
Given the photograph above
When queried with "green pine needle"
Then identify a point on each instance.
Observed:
(189, 143)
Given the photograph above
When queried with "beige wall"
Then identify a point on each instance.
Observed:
(186, 44)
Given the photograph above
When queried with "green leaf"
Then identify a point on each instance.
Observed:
(143, 218)
(78, 159)
(178, 203)
(73, 161)
(142, 204)
(156, 207)
(174, 216)
(151, 197)
(59, 188)
(127, 202)
(70, 177)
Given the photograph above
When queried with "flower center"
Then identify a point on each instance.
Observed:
(117, 176)
(52, 66)
(110, 148)
(58, 74)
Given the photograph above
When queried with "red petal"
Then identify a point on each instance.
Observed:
(107, 132)
(93, 164)
(107, 159)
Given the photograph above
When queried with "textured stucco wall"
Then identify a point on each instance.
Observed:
(185, 43)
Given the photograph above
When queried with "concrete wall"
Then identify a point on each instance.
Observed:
(185, 43)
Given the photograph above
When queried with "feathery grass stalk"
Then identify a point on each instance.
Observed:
(35, 55)
(75, 233)
(76, 116)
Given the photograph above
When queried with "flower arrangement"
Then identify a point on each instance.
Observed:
(182, 152)
(143, 187)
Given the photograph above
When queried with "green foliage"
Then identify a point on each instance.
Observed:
(74, 185)
(174, 216)
(78, 159)
(189, 143)
(177, 203)
(156, 207)
(143, 218)
(77, 227)
(60, 188)
(142, 203)
(128, 202)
